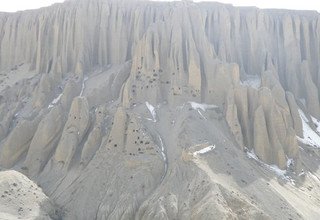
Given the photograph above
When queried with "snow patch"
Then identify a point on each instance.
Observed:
(55, 101)
(205, 150)
(162, 150)
(152, 111)
(164, 157)
(254, 82)
(83, 85)
(277, 170)
(202, 106)
(310, 137)
(252, 155)
(314, 177)
(302, 173)
(274, 168)
(316, 122)
(290, 162)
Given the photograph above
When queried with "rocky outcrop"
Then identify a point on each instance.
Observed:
(18, 142)
(233, 120)
(44, 140)
(22, 198)
(268, 126)
(43, 92)
(261, 138)
(294, 114)
(7, 116)
(121, 95)
(94, 139)
(73, 131)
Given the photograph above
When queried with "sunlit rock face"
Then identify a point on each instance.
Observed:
(106, 104)
(22, 198)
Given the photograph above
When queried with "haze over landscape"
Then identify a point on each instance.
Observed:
(16, 5)
(133, 109)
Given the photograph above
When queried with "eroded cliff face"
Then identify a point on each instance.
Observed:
(105, 104)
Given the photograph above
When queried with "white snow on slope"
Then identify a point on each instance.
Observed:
(205, 150)
(277, 170)
(152, 111)
(164, 157)
(310, 137)
(290, 162)
(162, 150)
(252, 155)
(316, 122)
(55, 101)
(83, 85)
(314, 177)
(202, 106)
(274, 168)
(254, 82)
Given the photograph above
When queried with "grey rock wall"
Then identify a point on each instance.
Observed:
(97, 105)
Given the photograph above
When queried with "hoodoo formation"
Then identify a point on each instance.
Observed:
(133, 109)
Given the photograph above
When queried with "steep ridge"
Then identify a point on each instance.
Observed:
(21, 198)
(103, 103)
